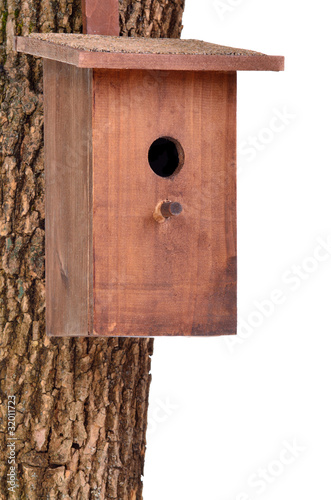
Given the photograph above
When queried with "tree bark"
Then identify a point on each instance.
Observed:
(81, 404)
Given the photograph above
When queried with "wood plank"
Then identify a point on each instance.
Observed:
(178, 277)
(100, 17)
(50, 51)
(180, 55)
(68, 102)
(181, 62)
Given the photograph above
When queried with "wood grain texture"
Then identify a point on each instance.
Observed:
(100, 17)
(68, 147)
(181, 62)
(179, 277)
(177, 55)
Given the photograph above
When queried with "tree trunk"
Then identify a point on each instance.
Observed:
(80, 403)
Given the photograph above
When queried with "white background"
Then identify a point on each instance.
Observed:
(234, 408)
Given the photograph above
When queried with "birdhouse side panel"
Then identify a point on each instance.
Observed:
(68, 147)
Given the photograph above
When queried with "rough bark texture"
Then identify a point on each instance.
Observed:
(157, 19)
(81, 404)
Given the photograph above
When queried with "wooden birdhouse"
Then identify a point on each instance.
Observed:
(140, 162)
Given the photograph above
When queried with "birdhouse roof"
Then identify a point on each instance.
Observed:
(97, 51)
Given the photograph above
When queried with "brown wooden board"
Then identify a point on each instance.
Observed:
(88, 51)
(68, 149)
(100, 17)
(179, 277)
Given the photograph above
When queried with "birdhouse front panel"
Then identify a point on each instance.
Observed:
(163, 137)
(140, 164)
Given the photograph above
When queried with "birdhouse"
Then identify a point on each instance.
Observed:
(140, 165)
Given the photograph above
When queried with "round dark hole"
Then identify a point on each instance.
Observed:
(165, 156)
